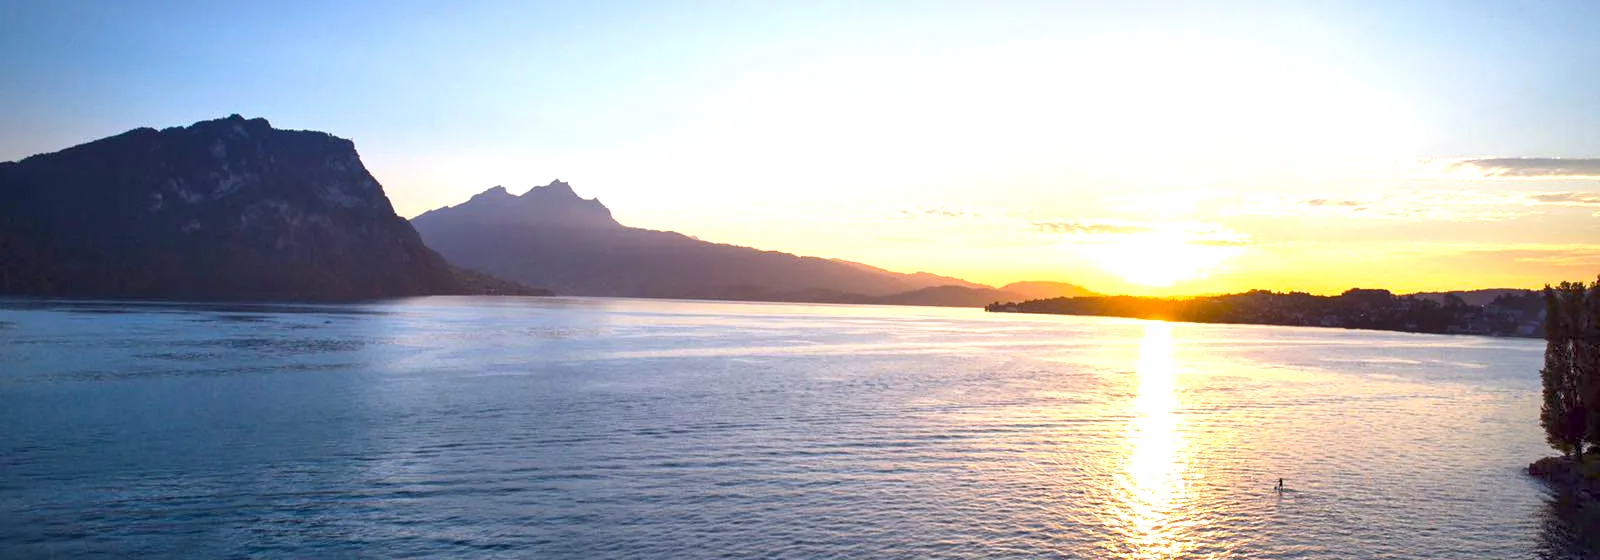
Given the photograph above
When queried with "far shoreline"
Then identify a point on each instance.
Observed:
(1246, 324)
(1510, 314)
(243, 303)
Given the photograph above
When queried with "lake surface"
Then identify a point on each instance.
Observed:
(591, 428)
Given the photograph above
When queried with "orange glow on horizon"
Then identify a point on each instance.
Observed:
(1159, 260)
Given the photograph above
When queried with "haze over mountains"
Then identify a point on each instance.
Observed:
(551, 237)
(223, 209)
(236, 209)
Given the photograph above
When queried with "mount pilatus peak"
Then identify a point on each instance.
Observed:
(230, 208)
(551, 237)
(552, 205)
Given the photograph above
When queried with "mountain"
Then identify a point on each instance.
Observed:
(223, 209)
(919, 280)
(551, 237)
(1045, 290)
(554, 206)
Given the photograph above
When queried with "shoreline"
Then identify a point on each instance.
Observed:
(1567, 477)
(1265, 324)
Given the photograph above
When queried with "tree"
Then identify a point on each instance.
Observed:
(1570, 413)
(1586, 354)
(1563, 429)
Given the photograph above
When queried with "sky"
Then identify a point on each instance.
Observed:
(1160, 148)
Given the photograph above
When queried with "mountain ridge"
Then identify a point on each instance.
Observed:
(531, 238)
(555, 204)
(228, 208)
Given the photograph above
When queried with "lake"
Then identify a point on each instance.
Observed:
(591, 428)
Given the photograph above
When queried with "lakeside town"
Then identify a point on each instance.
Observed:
(1514, 313)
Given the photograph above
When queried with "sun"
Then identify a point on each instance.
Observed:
(1159, 260)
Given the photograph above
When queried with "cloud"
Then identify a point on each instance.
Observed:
(1079, 227)
(1569, 198)
(1006, 228)
(1570, 255)
(1410, 206)
(944, 212)
(1584, 258)
(1332, 202)
(1215, 235)
(1345, 206)
(1221, 242)
(1100, 231)
(1465, 205)
(1522, 168)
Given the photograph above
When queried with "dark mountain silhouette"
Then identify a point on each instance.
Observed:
(223, 209)
(551, 237)
(920, 279)
(1045, 290)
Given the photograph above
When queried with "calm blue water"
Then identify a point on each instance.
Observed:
(589, 428)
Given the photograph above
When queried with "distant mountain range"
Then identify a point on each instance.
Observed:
(1046, 290)
(236, 209)
(551, 237)
(223, 209)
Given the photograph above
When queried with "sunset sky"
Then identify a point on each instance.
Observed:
(1130, 147)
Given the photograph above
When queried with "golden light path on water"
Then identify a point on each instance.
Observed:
(1152, 489)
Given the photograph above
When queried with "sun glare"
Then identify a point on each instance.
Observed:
(1152, 481)
(1159, 260)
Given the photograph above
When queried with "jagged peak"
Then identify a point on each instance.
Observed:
(556, 187)
(488, 196)
(234, 123)
(552, 204)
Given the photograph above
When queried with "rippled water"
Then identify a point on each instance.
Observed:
(625, 428)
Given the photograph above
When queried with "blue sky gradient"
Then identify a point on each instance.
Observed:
(762, 122)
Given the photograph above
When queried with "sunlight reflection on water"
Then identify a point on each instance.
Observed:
(573, 428)
(1151, 481)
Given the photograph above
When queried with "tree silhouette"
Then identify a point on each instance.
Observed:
(1570, 413)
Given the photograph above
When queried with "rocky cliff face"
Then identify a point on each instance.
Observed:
(224, 209)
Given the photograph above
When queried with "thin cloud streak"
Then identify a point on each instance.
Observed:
(1522, 168)
(1086, 231)
(1417, 206)
(1076, 227)
(1022, 230)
